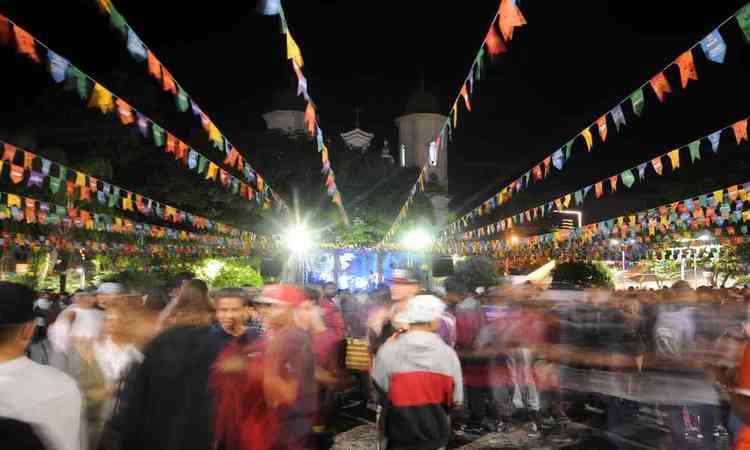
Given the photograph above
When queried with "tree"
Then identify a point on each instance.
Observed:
(477, 271)
(583, 274)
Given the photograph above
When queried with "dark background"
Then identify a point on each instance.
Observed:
(571, 63)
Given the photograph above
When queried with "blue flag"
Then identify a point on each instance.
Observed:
(558, 159)
(714, 46)
(135, 46)
(58, 66)
(714, 138)
(618, 116)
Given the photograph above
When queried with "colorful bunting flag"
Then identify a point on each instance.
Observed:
(740, 131)
(5, 31)
(695, 150)
(25, 44)
(495, 45)
(674, 158)
(586, 133)
(58, 66)
(558, 159)
(613, 182)
(124, 111)
(714, 138)
(618, 116)
(101, 98)
(636, 99)
(510, 17)
(135, 46)
(465, 96)
(628, 178)
(660, 85)
(601, 123)
(168, 82)
(656, 163)
(714, 46)
(599, 189)
(310, 118)
(687, 68)
(293, 52)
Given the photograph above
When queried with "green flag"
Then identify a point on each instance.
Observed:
(182, 99)
(636, 98)
(695, 150)
(118, 22)
(743, 19)
(114, 198)
(78, 81)
(54, 184)
(478, 63)
(63, 172)
(202, 164)
(628, 178)
(579, 198)
(282, 17)
(568, 148)
(158, 134)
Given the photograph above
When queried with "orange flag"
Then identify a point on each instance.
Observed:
(154, 67)
(602, 124)
(124, 111)
(613, 182)
(101, 98)
(687, 68)
(599, 189)
(510, 17)
(25, 44)
(740, 131)
(168, 82)
(660, 85)
(656, 162)
(465, 94)
(292, 50)
(28, 160)
(310, 118)
(586, 133)
(495, 45)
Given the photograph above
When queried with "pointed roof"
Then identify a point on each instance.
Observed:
(357, 139)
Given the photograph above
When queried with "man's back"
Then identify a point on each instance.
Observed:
(44, 397)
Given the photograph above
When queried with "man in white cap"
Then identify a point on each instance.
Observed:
(419, 377)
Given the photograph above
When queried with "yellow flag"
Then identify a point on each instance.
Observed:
(292, 50)
(101, 98)
(80, 179)
(14, 200)
(719, 196)
(674, 157)
(213, 170)
(586, 133)
(455, 115)
(214, 135)
(566, 200)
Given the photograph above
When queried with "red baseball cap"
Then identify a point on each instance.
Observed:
(282, 293)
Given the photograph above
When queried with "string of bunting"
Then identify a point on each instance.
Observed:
(626, 177)
(507, 18)
(142, 53)
(294, 55)
(38, 171)
(32, 211)
(714, 48)
(97, 96)
(726, 212)
(10, 241)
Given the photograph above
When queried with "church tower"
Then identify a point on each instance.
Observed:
(418, 129)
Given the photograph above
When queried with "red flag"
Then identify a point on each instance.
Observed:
(310, 118)
(4, 30)
(168, 82)
(25, 44)
(740, 131)
(601, 123)
(510, 17)
(613, 182)
(599, 189)
(495, 45)
(124, 111)
(9, 152)
(656, 162)
(660, 85)
(687, 68)
(537, 171)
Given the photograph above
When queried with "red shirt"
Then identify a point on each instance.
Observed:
(743, 388)
(333, 318)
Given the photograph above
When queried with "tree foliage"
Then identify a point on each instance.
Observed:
(583, 274)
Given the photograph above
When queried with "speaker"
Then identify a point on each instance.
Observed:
(271, 267)
(442, 267)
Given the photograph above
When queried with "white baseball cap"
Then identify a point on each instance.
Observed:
(423, 309)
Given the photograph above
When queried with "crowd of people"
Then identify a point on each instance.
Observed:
(179, 367)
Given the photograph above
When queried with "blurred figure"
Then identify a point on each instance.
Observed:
(382, 322)
(32, 393)
(233, 312)
(190, 307)
(82, 321)
(107, 292)
(265, 393)
(419, 379)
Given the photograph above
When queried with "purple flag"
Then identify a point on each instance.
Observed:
(642, 171)
(35, 179)
(142, 124)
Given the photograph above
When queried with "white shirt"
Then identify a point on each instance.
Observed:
(45, 398)
(114, 360)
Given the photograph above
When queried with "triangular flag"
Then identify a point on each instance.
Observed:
(168, 82)
(547, 162)
(213, 170)
(578, 196)
(154, 67)
(568, 148)
(636, 99)
(743, 19)
(310, 118)
(4, 30)
(714, 138)
(25, 44)
(687, 68)
(674, 158)
(695, 150)
(293, 52)
(656, 163)
(586, 133)
(660, 85)
(618, 116)
(558, 159)
(628, 178)
(510, 17)
(740, 131)
(601, 123)
(158, 133)
(495, 45)
(28, 160)
(135, 46)
(599, 189)
(714, 47)
(613, 182)
(101, 98)
(58, 66)
(124, 111)
(181, 100)
(465, 95)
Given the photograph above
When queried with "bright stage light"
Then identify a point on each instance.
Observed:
(514, 240)
(417, 239)
(298, 238)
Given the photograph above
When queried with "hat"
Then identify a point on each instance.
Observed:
(110, 288)
(403, 276)
(16, 303)
(423, 309)
(281, 294)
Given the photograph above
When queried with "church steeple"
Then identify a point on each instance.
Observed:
(357, 139)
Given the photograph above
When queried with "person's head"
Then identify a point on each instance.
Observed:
(330, 289)
(455, 290)
(403, 285)
(84, 299)
(232, 307)
(107, 292)
(192, 307)
(314, 293)
(277, 304)
(193, 291)
(423, 313)
(16, 318)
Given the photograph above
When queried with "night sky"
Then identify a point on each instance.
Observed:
(568, 66)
